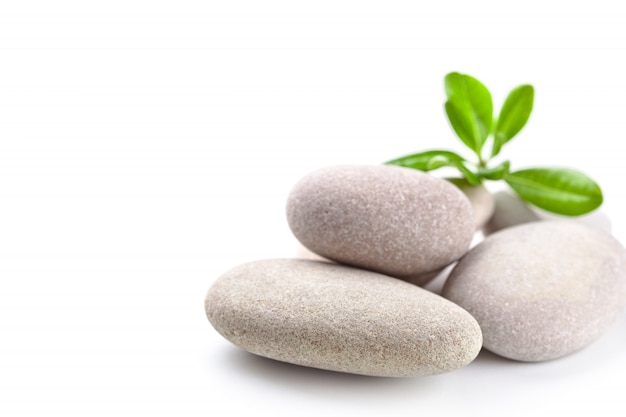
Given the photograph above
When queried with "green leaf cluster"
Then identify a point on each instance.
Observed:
(470, 111)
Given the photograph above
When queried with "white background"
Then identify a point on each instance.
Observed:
(146, 147)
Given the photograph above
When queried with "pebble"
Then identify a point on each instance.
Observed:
(340, 318)
(541, 290)
(510, 211)
(480, 198)
(397, 221)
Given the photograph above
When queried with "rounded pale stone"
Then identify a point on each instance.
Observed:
(510, 211)
(541, 290)
(339, 318)
(397, 221)
(481, 200)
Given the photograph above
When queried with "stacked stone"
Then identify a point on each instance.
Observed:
(531, 292)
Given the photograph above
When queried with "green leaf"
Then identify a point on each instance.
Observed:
(428, 160)
(496, 173)
(461, 122)
(513, 116)
(469, 175)
(559, 190)
(438, 162)
(434, 159)
(469, 108)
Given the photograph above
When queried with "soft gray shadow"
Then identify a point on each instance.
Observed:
(320, 382)
(486, 357)
(605, 352)
(488, 363)
(437, 283)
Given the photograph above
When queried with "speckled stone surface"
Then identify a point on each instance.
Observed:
(541, 290)
(510, 211)
(481, 200)
(339, 318)
(397, 221)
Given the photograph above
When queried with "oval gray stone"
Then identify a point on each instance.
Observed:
(541, 290)
(339, 318)
(397, 221)
(510, 211)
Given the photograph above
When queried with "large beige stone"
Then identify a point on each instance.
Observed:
(339, 318)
